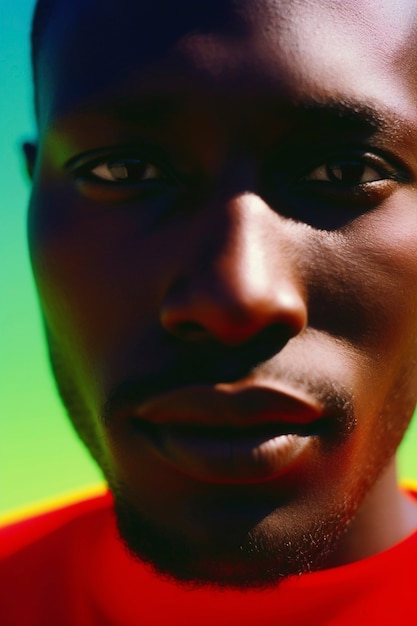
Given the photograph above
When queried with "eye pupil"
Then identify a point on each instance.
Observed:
(349, 172)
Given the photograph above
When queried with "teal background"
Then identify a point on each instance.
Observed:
(40, 456)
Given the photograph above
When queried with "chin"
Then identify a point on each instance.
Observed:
(257, 557)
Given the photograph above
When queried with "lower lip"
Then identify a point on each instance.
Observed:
(230, 460)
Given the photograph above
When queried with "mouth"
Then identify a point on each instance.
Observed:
(230, 455)
(230, 433)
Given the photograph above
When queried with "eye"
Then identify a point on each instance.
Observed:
(348, 172)
(355, 180)
(121, 174)
(125, 170)
(327, 189)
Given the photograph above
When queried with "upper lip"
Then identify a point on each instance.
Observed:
(230, 406)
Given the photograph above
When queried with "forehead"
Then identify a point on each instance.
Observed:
(95, 51)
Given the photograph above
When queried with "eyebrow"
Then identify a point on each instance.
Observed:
(357, 113)
(354, 116)
(149, 110)
(339, 113)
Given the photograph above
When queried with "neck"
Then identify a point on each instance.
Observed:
(386, 517)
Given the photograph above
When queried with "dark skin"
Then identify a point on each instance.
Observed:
(223, 231)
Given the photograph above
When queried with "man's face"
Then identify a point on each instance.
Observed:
(223, 230)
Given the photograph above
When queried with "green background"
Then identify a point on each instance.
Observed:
(40, 456)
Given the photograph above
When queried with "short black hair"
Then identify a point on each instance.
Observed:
(189, 14)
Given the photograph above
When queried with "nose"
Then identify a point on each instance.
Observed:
(238, 277)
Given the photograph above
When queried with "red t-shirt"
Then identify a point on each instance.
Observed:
(68, 568)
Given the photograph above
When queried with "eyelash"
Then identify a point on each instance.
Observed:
(355, 161)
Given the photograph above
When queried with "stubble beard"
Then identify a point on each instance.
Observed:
(261, 558)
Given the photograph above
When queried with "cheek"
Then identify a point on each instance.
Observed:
(365, 298)
(388, 253)
(86, 277)
(367, 290)
(101, 274)
(66, 268)
(81, 257)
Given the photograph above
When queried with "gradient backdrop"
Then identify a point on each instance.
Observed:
(40, 458)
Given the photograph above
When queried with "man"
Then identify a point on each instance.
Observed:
(223, 232)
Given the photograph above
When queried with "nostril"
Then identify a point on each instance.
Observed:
(189, 330)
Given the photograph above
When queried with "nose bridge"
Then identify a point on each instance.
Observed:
(242, 277)
(237, 255)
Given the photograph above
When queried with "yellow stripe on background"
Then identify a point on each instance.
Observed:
(92, 491)
(39, 508)
(409, 485)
